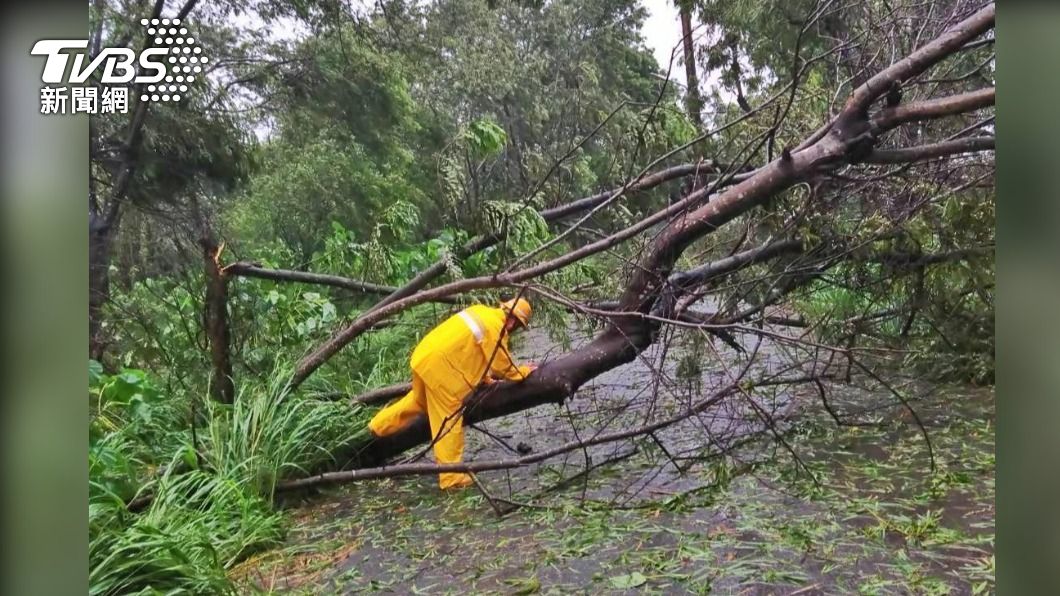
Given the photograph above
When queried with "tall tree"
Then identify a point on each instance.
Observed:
(693, 102)
(161, 154)
(153, 167)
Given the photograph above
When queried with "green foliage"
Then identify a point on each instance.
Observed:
(395, 139)
(199, 524)
(132, 426)
(485, 138)
(212, 502)
(270, 322)
(547, 76)
(456, 127)
(344, 149)
(274, 322)
(303, 189)
(161, 328)
(764, 42)
(941, 314)
(628, 581)
(524, 227)
(272, 435)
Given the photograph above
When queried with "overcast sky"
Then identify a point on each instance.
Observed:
(662, 30)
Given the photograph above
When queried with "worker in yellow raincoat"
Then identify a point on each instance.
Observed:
(447, 365)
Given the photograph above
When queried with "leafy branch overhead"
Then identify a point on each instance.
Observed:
(773, 230)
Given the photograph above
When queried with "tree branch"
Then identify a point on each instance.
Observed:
(919, 61)
(421, 469)
(248, 269)
(931, 151)
(889, 118)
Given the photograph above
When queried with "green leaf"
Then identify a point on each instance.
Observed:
(139, 408)
(633, 580)
(188, 455)
(530, 585)
(95, 373)
(132, 377)
(328, 312)
(486, 138)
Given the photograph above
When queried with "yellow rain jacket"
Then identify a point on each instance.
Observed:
(447, 365)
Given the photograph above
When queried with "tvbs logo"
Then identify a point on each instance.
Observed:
(163, 70)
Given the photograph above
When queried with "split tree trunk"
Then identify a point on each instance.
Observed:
(215, 317)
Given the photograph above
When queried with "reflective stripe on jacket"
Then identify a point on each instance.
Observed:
(453, 357)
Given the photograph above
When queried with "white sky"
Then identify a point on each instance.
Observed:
(662, 32)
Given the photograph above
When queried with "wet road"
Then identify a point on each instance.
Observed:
(871, 519)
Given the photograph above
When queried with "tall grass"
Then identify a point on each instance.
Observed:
(261, 439)
(213, 502)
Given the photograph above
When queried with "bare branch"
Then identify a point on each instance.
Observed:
(248, 269)
(382, 395)
(920, 60)
(931, 151)
(420, 469)
(889, 118)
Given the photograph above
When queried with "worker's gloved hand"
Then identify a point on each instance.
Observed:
(525, 371)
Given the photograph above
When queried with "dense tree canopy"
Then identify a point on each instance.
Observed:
(280, 239)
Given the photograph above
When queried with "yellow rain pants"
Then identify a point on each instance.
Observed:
(447, 365)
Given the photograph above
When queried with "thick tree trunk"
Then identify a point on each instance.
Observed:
(552, 383)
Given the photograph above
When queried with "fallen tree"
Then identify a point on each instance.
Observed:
(850, 138)
(655, 298)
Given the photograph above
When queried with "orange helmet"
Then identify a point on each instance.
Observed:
(520, 309)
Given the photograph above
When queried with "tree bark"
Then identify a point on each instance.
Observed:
(215, 315)
(382, 395)
(222, 388)
(693, 102)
